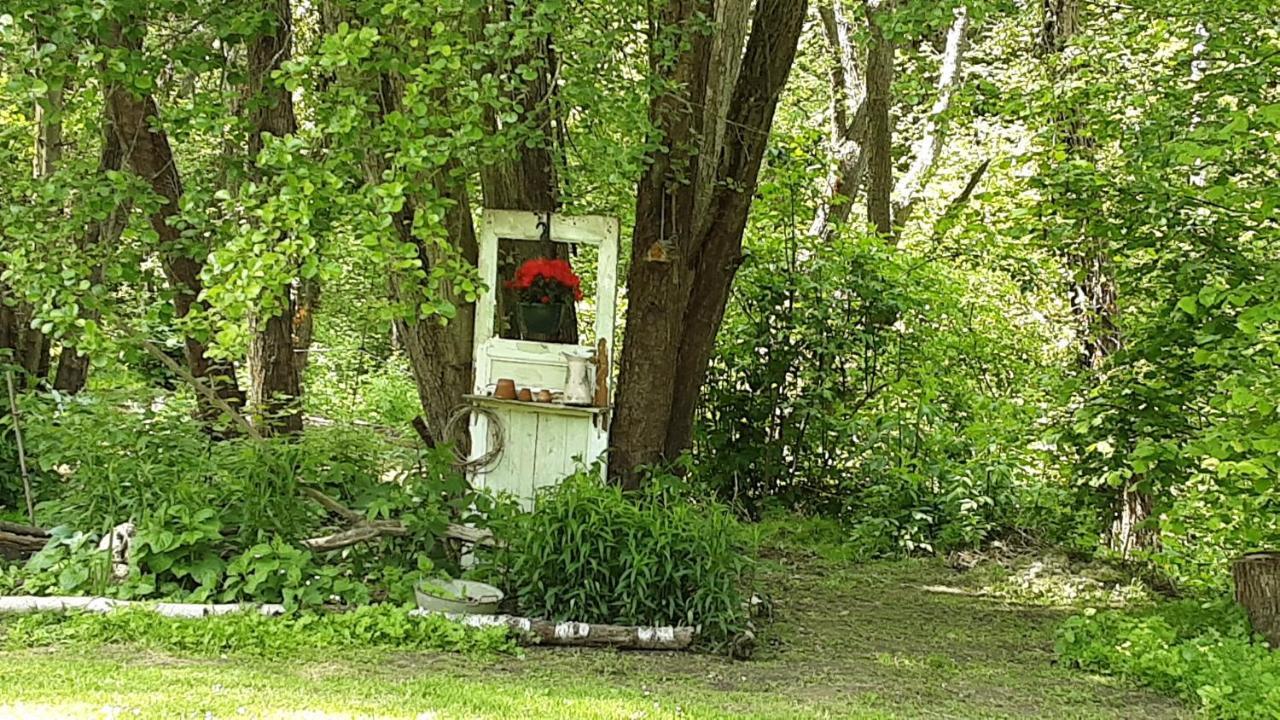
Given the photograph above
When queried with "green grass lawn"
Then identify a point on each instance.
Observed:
(879, 640)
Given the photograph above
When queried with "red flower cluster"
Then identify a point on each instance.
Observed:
(546, 280)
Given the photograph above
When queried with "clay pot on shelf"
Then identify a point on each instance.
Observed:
(544, 396)
(506, 389)
(525, 395)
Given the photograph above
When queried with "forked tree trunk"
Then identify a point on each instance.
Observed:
(135, 121)
(680, 276)
(848, 124)
(276, 384)
(1257, 579)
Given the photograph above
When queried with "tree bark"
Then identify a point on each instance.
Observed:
(929, 146)
(879, 121)
(1092, 290)
(135, 120)
(276, 384)
(45, 160)
(21, 605)
(307, 301)
(677, 295)
(849, 124)
(1257, 579)
(765, 68)
(104, 233)
(28, 347)
(527, 179)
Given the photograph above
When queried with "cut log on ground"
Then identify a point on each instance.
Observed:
(21, 605)
(1257, 577)
(579, 634)
(20, 529)
(20, 541)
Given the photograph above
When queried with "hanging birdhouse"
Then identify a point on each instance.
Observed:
(543, 337)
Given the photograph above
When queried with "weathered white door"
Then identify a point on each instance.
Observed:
(541, 442)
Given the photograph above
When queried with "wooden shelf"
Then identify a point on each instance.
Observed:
(542, 407)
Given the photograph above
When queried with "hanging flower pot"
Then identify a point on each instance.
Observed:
(539, 320)
(545, 287)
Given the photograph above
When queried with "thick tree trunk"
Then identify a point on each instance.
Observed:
(879, 120)
(1257, 578)
(528, 179)
(440, 355)
(661, 271)
(73, 366)
(135, 121)
(1092, 290)
(275, 377)
(765, 68)
(28, 347)
(680, 278)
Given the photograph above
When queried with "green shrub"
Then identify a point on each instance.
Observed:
(379, 626)
(1202, 652)
(591, 553)
(224, 520)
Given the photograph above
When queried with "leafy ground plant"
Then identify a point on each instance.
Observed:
(590, 552)
(1203, 652)
(369, 627)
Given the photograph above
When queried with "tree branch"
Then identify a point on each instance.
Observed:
(929, 147)
(849, 124)
(363, 530)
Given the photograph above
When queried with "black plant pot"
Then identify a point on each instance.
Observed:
(540, 321)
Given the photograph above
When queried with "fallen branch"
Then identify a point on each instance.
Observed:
(20, 605)
(579, 634)
(201, 388)
(363, 530)
(15, 545)
(20, 529)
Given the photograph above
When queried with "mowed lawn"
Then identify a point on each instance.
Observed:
(878, 640)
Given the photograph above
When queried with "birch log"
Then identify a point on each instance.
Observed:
(20, 605)
(580, 634)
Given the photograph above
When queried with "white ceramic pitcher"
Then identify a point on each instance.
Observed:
(578, 386)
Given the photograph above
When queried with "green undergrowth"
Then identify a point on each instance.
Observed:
(1201, 652)
(368, 628)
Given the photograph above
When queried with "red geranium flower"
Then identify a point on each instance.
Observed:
(546, 280)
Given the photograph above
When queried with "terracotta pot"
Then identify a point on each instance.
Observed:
(544, 396)
(525, 395)
(506, 389)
